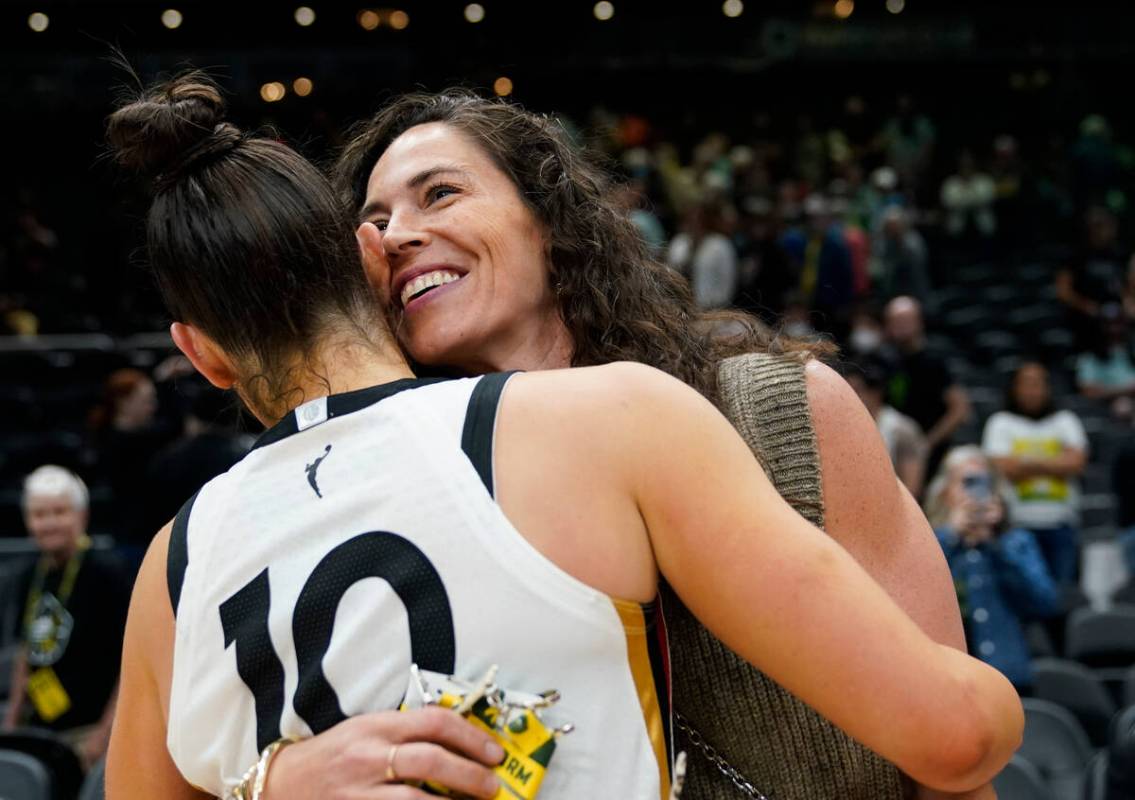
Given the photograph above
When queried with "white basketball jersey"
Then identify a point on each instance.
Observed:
(359, 536)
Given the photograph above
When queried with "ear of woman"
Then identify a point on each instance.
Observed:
(203, 353)
(370, 249)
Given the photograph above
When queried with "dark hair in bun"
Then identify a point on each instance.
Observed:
(246, 239)
(170, 126)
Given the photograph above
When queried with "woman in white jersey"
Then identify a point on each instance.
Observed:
(522, 520)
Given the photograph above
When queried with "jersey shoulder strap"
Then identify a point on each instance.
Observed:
(177, 559)
(480, 424)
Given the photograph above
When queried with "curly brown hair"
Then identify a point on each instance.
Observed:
(617, 302)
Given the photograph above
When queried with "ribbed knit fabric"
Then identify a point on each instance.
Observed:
(781, 746)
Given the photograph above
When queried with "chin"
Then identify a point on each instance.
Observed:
(432, 350)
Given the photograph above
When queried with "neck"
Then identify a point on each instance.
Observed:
(337, 366)
(547, 345)
(59, 558)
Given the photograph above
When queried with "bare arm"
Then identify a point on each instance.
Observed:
(957, 412)
(789, 600)
(878, 521)
(138, 764)
(1066, 293)
(1098, 391)
(1068, 464)
(17, 685)
(95, 744)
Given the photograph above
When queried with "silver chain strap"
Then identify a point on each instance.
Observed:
(717, 759)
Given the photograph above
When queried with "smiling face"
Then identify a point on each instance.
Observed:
(462, 260)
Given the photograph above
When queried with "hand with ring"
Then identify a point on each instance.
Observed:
(369, 757)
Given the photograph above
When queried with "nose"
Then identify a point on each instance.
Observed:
(403, 236)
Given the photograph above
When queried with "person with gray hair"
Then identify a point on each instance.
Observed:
(72, 615)
(1000, 574)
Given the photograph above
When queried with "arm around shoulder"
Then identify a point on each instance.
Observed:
(789, 600)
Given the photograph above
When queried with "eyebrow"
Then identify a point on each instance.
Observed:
(370, 209)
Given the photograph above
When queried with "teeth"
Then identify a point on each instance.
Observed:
(427, 281)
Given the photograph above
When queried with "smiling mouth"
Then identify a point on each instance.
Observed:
(423, 284)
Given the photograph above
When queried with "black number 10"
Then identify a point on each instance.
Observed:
(377, 554)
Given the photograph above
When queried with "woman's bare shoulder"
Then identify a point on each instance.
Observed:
(870, 513)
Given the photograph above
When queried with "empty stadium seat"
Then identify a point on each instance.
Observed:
(93, 784)
(1078, 689)
(1021, 780)
(23, 777)
(1101, 638)
(1055, 743)
(1095, 778)
(53, 753)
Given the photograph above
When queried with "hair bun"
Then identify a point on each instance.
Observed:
(171, 125)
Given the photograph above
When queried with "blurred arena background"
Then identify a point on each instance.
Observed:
(979, 157)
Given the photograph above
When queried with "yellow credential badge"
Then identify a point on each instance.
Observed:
(47, 694)
(528, 743)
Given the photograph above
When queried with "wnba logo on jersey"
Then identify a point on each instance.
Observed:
(312, 468)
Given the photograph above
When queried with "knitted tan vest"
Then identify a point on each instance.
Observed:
(779, 745)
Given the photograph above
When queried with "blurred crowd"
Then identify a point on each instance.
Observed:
(868, 232)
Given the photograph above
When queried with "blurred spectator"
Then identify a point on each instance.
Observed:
(823, 262)
(901, 260)
(1042, 451)
(867, 335)
(767, 275)
(905, 442)
(1096, 163)
(705, 254)
(907, 141)
(1123, 487)
(857, 239)
(998, 569)
(1107, 371)
(126, 433)
(208, 447)
(632, 196)
(967, 198)
(1010, 200)
(1099, 275)
(921, 385)
(73, 610)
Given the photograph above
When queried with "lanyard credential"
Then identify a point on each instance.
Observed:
(66, 585)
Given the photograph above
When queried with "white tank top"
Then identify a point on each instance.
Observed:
(359, 536)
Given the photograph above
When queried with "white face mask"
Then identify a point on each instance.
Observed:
(798, 329)
(865, 340)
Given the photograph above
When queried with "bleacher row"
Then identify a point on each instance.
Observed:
(985, 323)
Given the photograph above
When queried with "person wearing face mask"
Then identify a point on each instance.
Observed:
(73, 613)
(498, 247)
(1000, 574)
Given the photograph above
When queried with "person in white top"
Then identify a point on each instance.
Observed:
(1043, 452)
(706, 256)
(606, 480)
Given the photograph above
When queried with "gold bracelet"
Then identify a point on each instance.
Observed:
(251, 786)
(266, 758)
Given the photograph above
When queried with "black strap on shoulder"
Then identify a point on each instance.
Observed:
(178, 557)
(480, 422)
